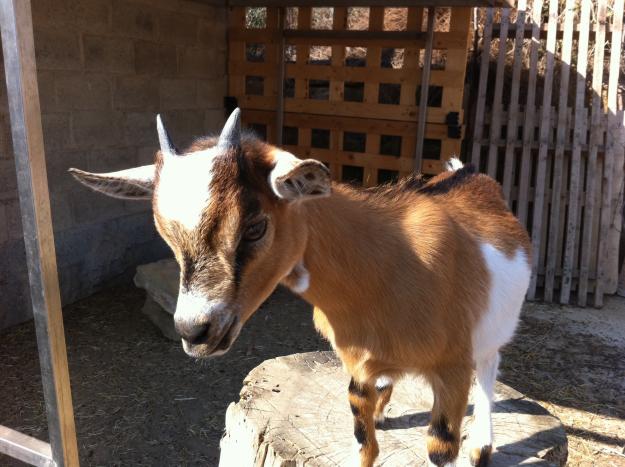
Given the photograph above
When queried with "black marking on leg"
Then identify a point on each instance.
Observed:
(357, 389)
(360, 432)
(355, 409)
(483, 458)
(440, 458)
(438, 429)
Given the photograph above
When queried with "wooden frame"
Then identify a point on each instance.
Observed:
(21, 78)
(274, 95)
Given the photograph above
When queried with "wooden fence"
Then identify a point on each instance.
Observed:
(342, 84)
(547, 124)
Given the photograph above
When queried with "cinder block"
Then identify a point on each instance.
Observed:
(8, 178)
(179, 29)
(212, 31)
(56, 132)
(6, 143)
(96, 128)
(112, 54)
(146, 154)
(134, 20)
(51, 14)
(93, 16)
(138, 92)
(111, 159)
(61, 212)
(140, 128)
(214, 120)
(57, 165)
(211, 93)
(57, 49)
(178, 94)
(47, 92)
(202, 62)
(185, 125)
(91, 207)
(4, 230)
(83, 91)
(13, 219)
(151, 57)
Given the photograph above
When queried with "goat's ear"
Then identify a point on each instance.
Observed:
(296, 179)
(136, 183)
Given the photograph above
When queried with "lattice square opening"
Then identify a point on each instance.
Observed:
(387, 176)
(354, 91)
(255, 52)
(320, 138)
(390, 145)
(355, 56)
(256, 17)
(354, 142)
(352, 175)
(432, 148)
(320, 55)
(260, 130)
(395, 19)
(389, 93)
(290, 53)
(289, 87)
(321, 17)
(290, 135)
(255, 85)
(357, 18)
(435, 96)
(291, 17)
(319, 89)
(392, 58)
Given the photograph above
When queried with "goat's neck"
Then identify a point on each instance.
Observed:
(352, 245)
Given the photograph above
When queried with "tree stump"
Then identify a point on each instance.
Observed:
(294, 412)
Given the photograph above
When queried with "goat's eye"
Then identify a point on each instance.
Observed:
(255, 231)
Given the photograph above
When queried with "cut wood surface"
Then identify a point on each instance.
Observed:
(293, 411)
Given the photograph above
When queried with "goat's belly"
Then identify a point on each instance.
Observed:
(509, 279)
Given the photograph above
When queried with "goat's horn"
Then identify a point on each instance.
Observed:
(163, 138)
(231, 134)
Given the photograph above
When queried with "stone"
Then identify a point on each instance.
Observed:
(160, 318)
(111, 54)
(151, 57)
(57, 49)
(293, 411)
(136, 92)
(160, 281)
(83, 91)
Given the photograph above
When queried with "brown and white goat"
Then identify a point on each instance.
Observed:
(417, 278)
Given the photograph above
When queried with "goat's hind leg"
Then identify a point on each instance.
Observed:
(481, 433)
(450, 386)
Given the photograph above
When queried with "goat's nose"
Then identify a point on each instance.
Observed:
(193, 333)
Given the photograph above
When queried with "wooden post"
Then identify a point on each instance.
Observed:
(23, 96)
(425, 84)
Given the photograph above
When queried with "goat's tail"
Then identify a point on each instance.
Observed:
(453, 164)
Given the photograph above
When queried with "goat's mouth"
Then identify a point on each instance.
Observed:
(213, 347)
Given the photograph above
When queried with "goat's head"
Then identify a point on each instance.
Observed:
(229, 209)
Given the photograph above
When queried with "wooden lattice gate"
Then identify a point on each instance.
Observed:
(548, 124)
(350, 82)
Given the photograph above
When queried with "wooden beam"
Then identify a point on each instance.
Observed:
(25, 448)
(23, 96)
(425, 85)
(382, 3)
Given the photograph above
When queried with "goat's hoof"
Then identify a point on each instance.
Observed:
(480, 457)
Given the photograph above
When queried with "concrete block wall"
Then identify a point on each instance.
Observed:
(105, 68)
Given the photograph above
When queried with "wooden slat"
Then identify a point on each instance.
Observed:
(481, 90)
(379, 3)
(530, 115)
(561, 133)
(607, 266)
(591, 172)
(513, 108)
(541, 171)
(495, 123)
(579, 134)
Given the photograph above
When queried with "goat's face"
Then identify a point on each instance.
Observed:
(228, 208)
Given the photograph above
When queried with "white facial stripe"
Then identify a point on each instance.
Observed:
(193, 306)
(183, 190)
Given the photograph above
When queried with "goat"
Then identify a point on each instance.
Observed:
(422, 277)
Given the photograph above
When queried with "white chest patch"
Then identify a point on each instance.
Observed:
(183, 190)
(298, 280)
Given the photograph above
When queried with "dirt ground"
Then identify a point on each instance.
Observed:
(139, 400)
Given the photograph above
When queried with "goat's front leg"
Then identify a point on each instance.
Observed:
(362, 401)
